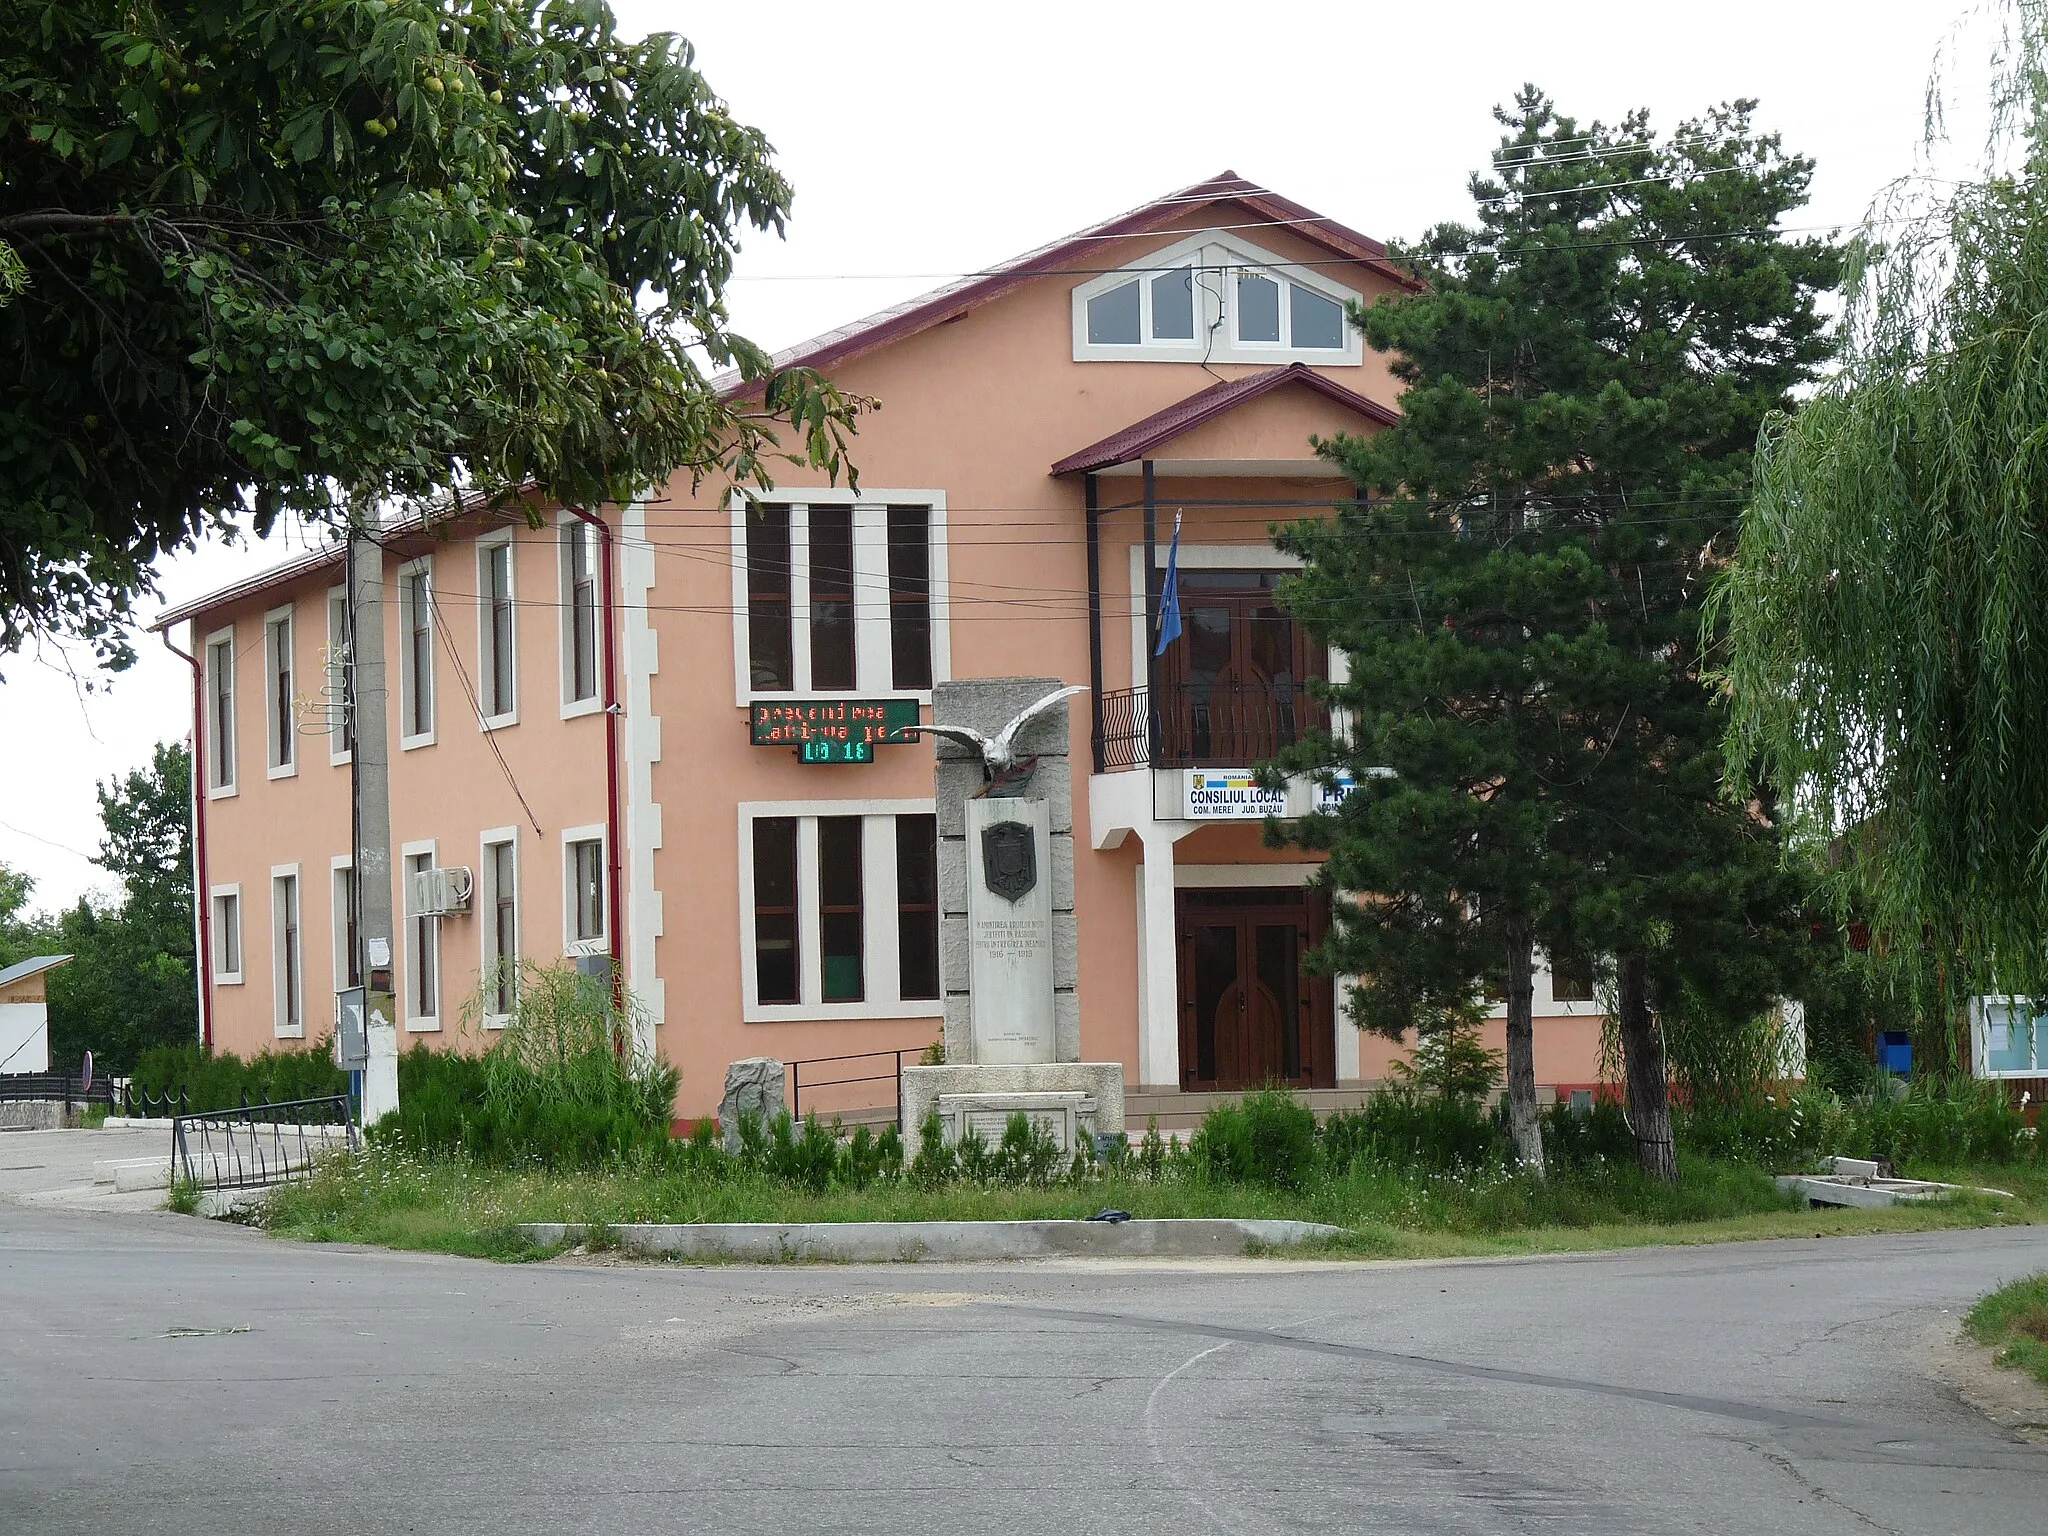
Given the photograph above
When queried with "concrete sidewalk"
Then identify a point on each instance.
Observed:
(54, 1169)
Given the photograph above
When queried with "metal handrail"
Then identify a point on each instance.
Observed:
(1194, 725)
(795, 1070)
(259, 1144)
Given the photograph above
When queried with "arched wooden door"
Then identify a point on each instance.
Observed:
(1249, 1017)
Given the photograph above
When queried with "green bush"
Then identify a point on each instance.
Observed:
(222, 1080)
(1585, 1138)
(1404, 1126)
(1267, 1138)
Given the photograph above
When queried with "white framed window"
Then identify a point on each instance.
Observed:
(220, 714)
(840, 594)
(287, 954)
(497, 651)
(2008, 1037)
(586, 891)
(416, 654)
(1213, 298)
(580, 570)
(422, 1006)
(334, 692)
(227, 934)
(839, 910)
(347, 917)
(498, 901)
(280, 717)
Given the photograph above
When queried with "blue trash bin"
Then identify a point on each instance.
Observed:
(1895, 1052)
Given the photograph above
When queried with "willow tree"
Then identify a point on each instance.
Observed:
(1888, 655)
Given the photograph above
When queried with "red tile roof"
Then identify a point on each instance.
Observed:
(958, 297)
(1141, 438)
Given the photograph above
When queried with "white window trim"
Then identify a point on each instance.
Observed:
(870, 593)
(879, 956)
(280, 731)
(420, 1023)
(409, 741)
(601, 945)
(565, 632)
(1980, 1036)
(214, 893)
(336, 681)
(279, 977)
(230, 787)
(485, 641)
(1216, 256)
(487, 908)
(337, 917)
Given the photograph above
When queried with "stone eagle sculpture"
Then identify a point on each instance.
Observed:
(998, 753)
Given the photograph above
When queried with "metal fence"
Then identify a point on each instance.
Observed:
(260, 1144)
(67, 1087)
(1192, 725)
(842, 1079)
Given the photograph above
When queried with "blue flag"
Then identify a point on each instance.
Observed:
(1169, 595)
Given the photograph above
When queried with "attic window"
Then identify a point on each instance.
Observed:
(1211, 297)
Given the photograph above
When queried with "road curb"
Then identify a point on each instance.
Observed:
(890, 1242)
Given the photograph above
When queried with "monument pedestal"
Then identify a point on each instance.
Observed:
(1009, 947)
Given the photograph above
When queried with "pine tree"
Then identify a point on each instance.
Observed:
(1517, 587)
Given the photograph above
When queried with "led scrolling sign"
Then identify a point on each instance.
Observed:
(833, 730)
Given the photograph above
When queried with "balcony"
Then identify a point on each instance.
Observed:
(1201, 725)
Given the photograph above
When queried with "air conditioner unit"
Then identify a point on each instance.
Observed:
(439, 892)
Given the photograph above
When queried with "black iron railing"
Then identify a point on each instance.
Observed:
(67, 1087)
(847, 1078)
(1203, 725)
(237, 1148)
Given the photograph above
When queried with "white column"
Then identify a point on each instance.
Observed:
(1159, 1027)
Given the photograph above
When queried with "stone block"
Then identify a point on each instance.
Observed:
(1101, 1081)
(1053, 781)
(987, 704)
(753, 1086)
(954, 783)
(1066, 951)
(953, 867)
(959, 1032)
(1062, 873)
(1066, 1025)
(954, 966)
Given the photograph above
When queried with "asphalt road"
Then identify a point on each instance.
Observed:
(163, 1374)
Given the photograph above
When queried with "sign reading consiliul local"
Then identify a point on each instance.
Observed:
(1229, 794)
(833, 730)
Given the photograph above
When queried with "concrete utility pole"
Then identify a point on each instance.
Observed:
(370, 782)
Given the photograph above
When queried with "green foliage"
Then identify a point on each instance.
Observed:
(131, 980)
(1885, 651)
(1517, 586)
(1448, 1061)
(1932, 1123)
(1403, 1127)
(1267, 1138)
(291, 256)
(2014, 1320)
(183, 1197)
(223, 1080)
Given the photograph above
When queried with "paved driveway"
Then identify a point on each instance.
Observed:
(164, 1374)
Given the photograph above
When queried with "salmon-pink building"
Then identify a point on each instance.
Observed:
(589, 720)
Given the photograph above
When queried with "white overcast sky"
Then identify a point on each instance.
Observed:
(925, 140)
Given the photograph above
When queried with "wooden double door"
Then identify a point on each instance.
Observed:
(1248, 1016)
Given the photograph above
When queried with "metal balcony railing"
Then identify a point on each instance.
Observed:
(1203, 725)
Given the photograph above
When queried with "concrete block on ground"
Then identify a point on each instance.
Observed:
(1102, 1081)
(940, 1241)
(753, 1086)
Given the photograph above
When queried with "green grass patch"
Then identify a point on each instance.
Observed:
(453, 1205)
(2013, 1320)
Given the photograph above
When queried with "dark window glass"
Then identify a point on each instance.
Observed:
(281, 690)
(351, 927)
(582, 580)
(338, 670)
(1173, 305)
(222, 663)
(910, 597)
(1571, 978)
(419, 661)
(775, 953)
(1113, 317)
(588, 873)
(839, 925)
(1318, 322)
(1258, 308)
(770, 651)
(498, 592)
(505, 929)
(288, 932)
(917, 905)
(832, 597)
